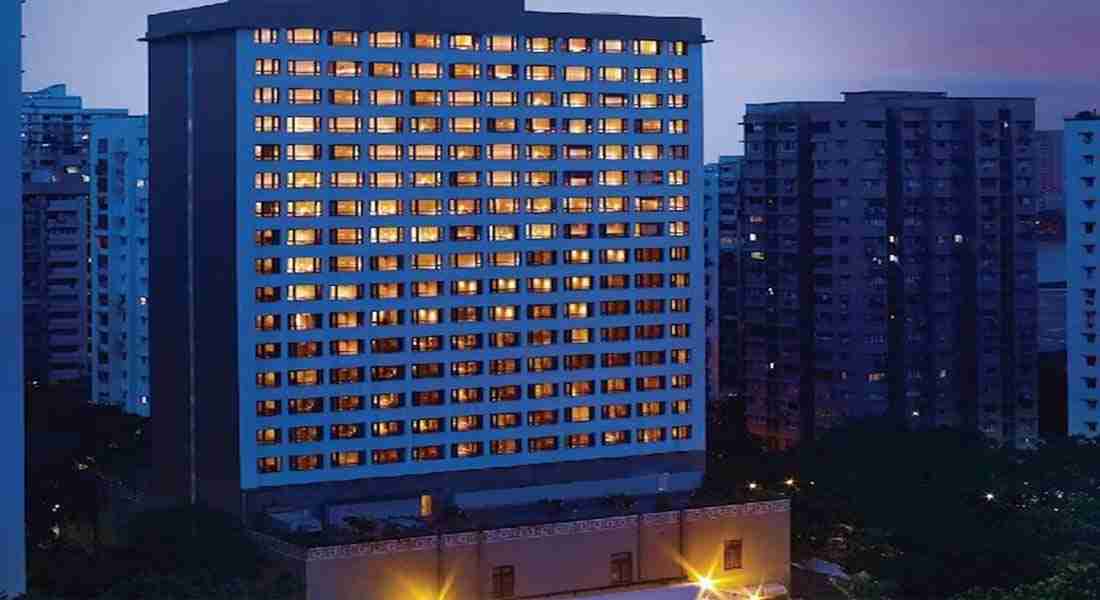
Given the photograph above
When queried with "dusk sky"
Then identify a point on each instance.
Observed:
(763, 50)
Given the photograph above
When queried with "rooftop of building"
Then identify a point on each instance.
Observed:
(1085, 115)
(482, 16)
(452, 520)
(875, 95)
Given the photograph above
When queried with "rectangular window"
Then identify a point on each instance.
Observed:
(502, 43)
(303, 68)
(465, 41)
(265, 36)
(345, 68)
(344, 97)
(265, 95)
(344, 39)
(302, 35)
(385, 39)
(465, 70)
(732, 555)
(267, 66)
(427, 70)
(540, 44)
(622, 569)
(503, 582)
(427, 40)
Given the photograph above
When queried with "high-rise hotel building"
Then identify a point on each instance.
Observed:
(1082, 190)
(12, 536)
(431, 250)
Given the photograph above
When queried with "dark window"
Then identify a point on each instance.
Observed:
(731, 555)
(504, 582)
(622, 569)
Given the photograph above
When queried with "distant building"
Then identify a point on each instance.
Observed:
(13, 541)
(1082, 173)
(890, 264)
(1050, 167)
(120, 263)
(725, 178)
(1052, 204)
(427, 254)
(56, 243)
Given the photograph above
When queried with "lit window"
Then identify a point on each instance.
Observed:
(465, 71)
(465, 124)
(426, 152)
(576, 99)
(541, 125)
(265, 95)
(539, 44)
(540, 72)
(578, 45)
(503, 206)
(303, 68)
(343, 97)
(505, 72)
(345, 68)
(612, 46)
(463, 98)
(647, 101)
(427, 71)
(385, 39)
(647, 47)
(502, 43)
(337, 124)
(613, 74)
(386, 97)
(385, 70)
(464, 41)
(344, 39)
(267, 66)
(426, 40)
(578, 73)
(265, 36)
(503, 98)
(303, 35)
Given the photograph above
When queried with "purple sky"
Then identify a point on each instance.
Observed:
(763, 50)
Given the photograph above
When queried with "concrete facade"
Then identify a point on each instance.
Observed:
(12, 435)
(890, 264)
(397, 245)
(120, 263)
(734, 546)
(56, 229)
(1082, 146)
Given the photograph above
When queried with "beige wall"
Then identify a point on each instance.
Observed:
(557, 558)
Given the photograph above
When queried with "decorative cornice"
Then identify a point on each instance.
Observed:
(459, 540)
(417, 544)
(659, 519)
(737, 510)
(513, 534)
(495, 536)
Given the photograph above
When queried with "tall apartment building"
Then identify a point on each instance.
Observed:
(12, 534)
(724, 180)
(56, 243)
(1082, 145)
(120, 263)
(1049, 159)
(890, 264)
(428, 250)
